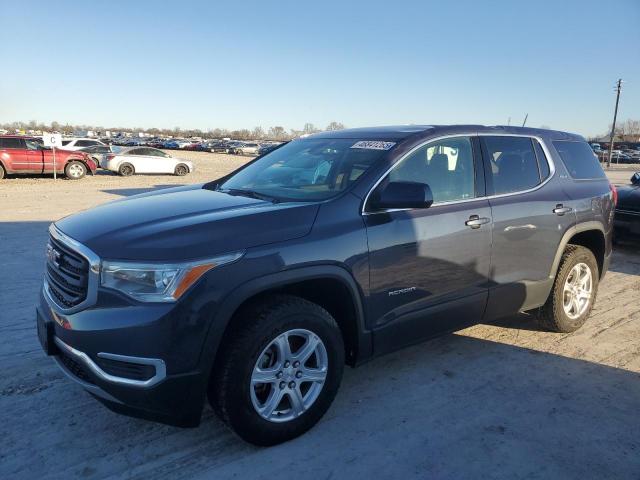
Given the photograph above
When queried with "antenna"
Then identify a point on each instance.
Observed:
(525, 119)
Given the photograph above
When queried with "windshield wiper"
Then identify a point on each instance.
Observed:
(249, 193)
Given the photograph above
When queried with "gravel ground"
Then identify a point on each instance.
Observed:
(492, 401)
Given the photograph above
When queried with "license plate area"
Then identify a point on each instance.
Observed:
(45, 334)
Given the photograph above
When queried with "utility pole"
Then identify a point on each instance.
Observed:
(615, 116)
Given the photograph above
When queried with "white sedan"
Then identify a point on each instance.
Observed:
(132, 160)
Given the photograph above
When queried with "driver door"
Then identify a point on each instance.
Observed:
(429, 267)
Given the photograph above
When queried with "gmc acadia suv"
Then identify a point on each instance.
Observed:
(255, 289)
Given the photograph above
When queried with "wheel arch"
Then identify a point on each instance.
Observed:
(329, 286)
(590, 235)
(77, 159)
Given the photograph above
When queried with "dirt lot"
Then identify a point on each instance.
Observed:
(492, 401)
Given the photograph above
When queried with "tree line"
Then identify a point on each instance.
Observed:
(626, 131)
(257, 133)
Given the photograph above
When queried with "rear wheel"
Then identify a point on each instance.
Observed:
(126, 169)
(75, 170)
(279, 370)
(2, 172)
(181, 170)
(574, 291)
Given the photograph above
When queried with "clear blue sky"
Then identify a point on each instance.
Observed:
(201, 64)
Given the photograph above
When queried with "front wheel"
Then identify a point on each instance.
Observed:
(75, 170)
(574, 291)
(279, 370)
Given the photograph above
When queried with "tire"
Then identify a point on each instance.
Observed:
(555, 315)
(126, 169)
(254, 335)
(75, 170)
(2, 172)
(181, 170)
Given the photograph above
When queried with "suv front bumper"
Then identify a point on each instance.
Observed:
(144, 387)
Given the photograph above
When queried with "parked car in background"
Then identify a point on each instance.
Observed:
(132, 160)
(268, 147)
(98, 152)
(79, 143)
(246, 148)
(176, 143)
(255, 289)
(627, 214)
(26, 155)
(221, 147)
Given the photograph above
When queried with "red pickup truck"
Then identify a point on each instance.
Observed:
(26, 155)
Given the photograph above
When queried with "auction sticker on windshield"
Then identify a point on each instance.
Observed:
(373, 145)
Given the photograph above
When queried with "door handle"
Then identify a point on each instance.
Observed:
(561, 209)
(475, 221)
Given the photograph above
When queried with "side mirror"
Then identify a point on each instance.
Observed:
(402, 195)
(635, 179)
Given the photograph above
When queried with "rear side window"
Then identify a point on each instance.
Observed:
(65, 142)
(513, 163)
(11, 143)
(579, 159)
(85, 143)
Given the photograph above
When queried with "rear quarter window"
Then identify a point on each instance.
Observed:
(579, 159)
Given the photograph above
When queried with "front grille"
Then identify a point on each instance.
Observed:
(133, 371)
(67, 274)
(75, 367)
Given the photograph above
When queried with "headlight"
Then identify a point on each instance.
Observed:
(158, 282)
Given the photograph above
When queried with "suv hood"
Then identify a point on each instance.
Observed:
(185, 223)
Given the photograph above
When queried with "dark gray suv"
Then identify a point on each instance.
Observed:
(255, 289)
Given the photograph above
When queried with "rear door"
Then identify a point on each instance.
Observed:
(34, 154)
(429, 267)
(531, 213)
(14, 155)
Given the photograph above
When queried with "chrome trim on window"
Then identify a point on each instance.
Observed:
(550, 162)
(93, 275)
(160, 367)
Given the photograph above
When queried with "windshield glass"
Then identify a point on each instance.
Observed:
(309, 169)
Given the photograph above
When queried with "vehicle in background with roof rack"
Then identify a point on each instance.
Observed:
(254, 290)
(21, 155)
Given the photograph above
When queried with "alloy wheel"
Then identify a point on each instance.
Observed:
(289, 375)
(577, 292)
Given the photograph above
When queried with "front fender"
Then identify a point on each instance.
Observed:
(268, 282)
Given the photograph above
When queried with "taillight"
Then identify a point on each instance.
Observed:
(614, 193)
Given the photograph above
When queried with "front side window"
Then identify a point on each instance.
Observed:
(309, 169)
(580, 160)
(513, 163)
(445, 165)
(32, 145)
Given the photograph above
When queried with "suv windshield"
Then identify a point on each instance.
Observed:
(308, 169)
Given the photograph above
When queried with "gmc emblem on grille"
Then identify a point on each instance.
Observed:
(53, 255)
